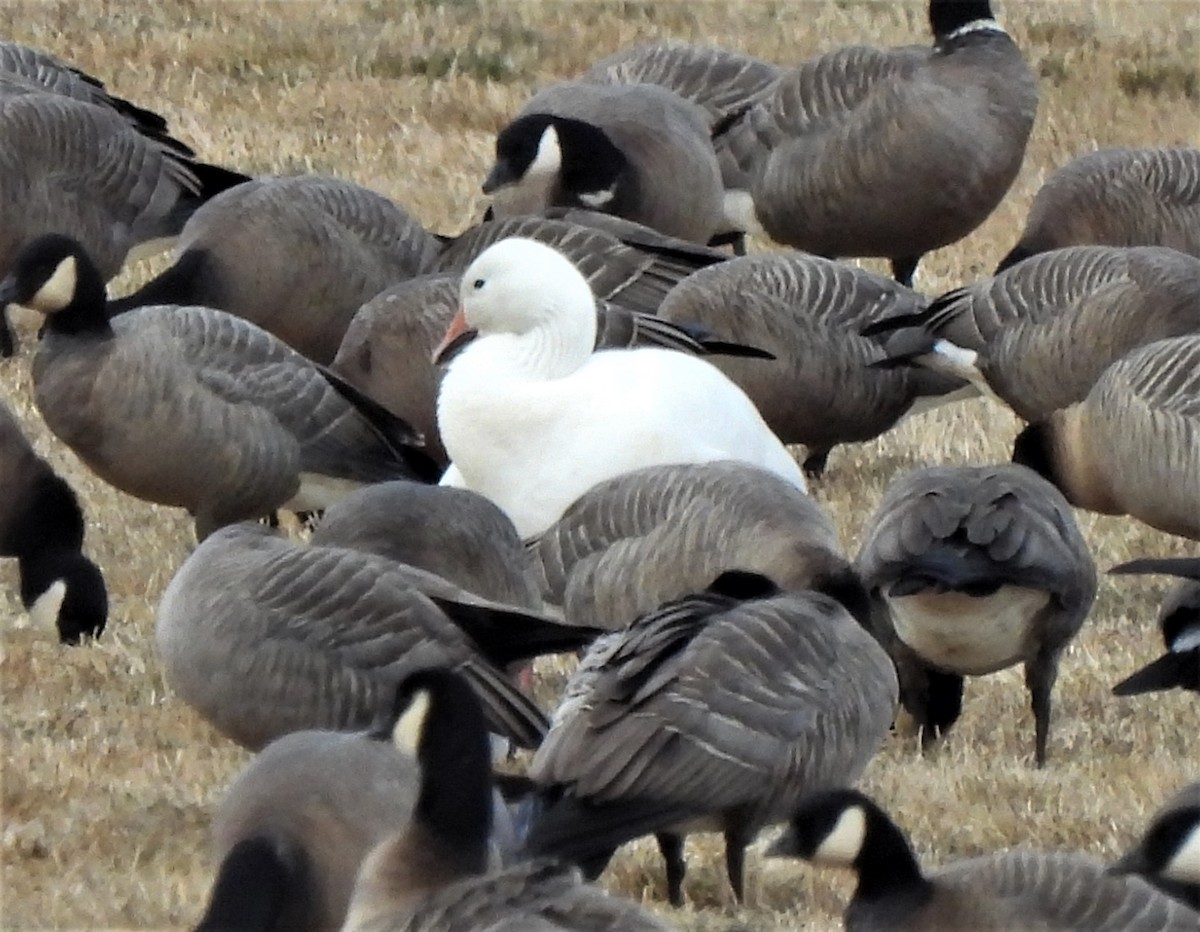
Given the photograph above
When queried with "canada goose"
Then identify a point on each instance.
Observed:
(1168, 853)
(41, 525)
(456, 534)
(263, 636)
(638, 540)
(973, 569)
(1012, 891)
(1132, 446)
(296, 823)
(716, 712)
(1039, 335)
(885, 152)
(1179, 620)
(530, 372)
(386, 352)
(806, 311)
(296, 255)
(625, 263)
(83, 166)
(638, 151)
(431, 876)
(194, 407)
(1119, 197)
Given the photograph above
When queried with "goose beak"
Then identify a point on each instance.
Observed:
(1134, 862)
(500, 176)
(458, 335)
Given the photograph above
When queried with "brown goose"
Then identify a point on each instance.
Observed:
(1179, 621)
(1168, 853)
(886, 152)
(196, 408)
(1038, 335)
(263, 636)
(1118, 197)
(1132, 446)
(717, 712)
(296, 255)
(295, 825)
(636, 541)
(807, 312)
(634, 150)
(41, 524)
(973, 569)
(456, 534)
(432, 875)
(1013, 891)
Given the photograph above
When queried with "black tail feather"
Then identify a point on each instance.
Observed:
(579, 830)
(508, 635)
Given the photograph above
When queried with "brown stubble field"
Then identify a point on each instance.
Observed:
(109, 781)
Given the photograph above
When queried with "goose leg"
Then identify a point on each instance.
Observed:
(7, 347)
(943, 704)
(1040, 674)
(671, 847)
(735, 861)
(903, 269)
(814, 464)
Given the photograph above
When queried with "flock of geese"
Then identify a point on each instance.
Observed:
(568, 429)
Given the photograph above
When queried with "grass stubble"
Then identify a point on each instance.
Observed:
(109, 781)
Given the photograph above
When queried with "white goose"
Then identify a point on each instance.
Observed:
(532, 418)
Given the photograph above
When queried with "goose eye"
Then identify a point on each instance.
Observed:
(477, 284)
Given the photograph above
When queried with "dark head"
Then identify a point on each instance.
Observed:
(1019, 253)
(575, 159)
(946, 16)
(744, 585)
(67, 588)
(845, 828)
(437, 716)
(1034, 449)
(55, 276)
(1170, 849)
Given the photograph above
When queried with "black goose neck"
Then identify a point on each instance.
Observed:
(888, 869)
(947, 17)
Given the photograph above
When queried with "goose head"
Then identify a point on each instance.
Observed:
(66, 588)
(54, 275)
(1169, 850)
(951, 19)
(529, 304)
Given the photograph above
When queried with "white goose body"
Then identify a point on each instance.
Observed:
(532, 418)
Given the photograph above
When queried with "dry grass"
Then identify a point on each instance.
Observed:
(109, 781)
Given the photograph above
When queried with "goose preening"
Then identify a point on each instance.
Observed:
(638, 151)
(1012, 891)
(1179, 622)
(716, 712)
(1118, 197)
(885, 152)
(297, 255)
(41, 524)
(432, 875)
(1038, 335)
(1132, 446)
(638, 540)
(295, 825)
(1168, 853)
(532, 417)
(194, 407)
(456, 534)
(807, 312)
(973, 569)
(76, 159)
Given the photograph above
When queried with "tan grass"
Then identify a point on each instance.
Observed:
(109, 781)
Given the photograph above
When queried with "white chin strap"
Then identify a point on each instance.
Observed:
(975, 25)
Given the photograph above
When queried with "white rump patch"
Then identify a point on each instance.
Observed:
(740, 215)
(1188, 639)
(975, 25)
(598, 199)
(407, 733)
(58, 290)
(43, 613)
(1184, 866)
(965, 634)
(845, 840)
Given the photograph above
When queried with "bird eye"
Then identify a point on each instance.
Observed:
(477, 284)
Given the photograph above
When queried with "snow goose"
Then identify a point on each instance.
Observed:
(532, 417)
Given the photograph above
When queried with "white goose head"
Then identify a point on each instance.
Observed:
(529, 305)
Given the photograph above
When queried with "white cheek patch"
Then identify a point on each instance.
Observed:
(58, 290)
(1185, 865)
(44, 611)
(842, 846)
(1188, 639)
(598, 199)
(548, 159)
(407, 733)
